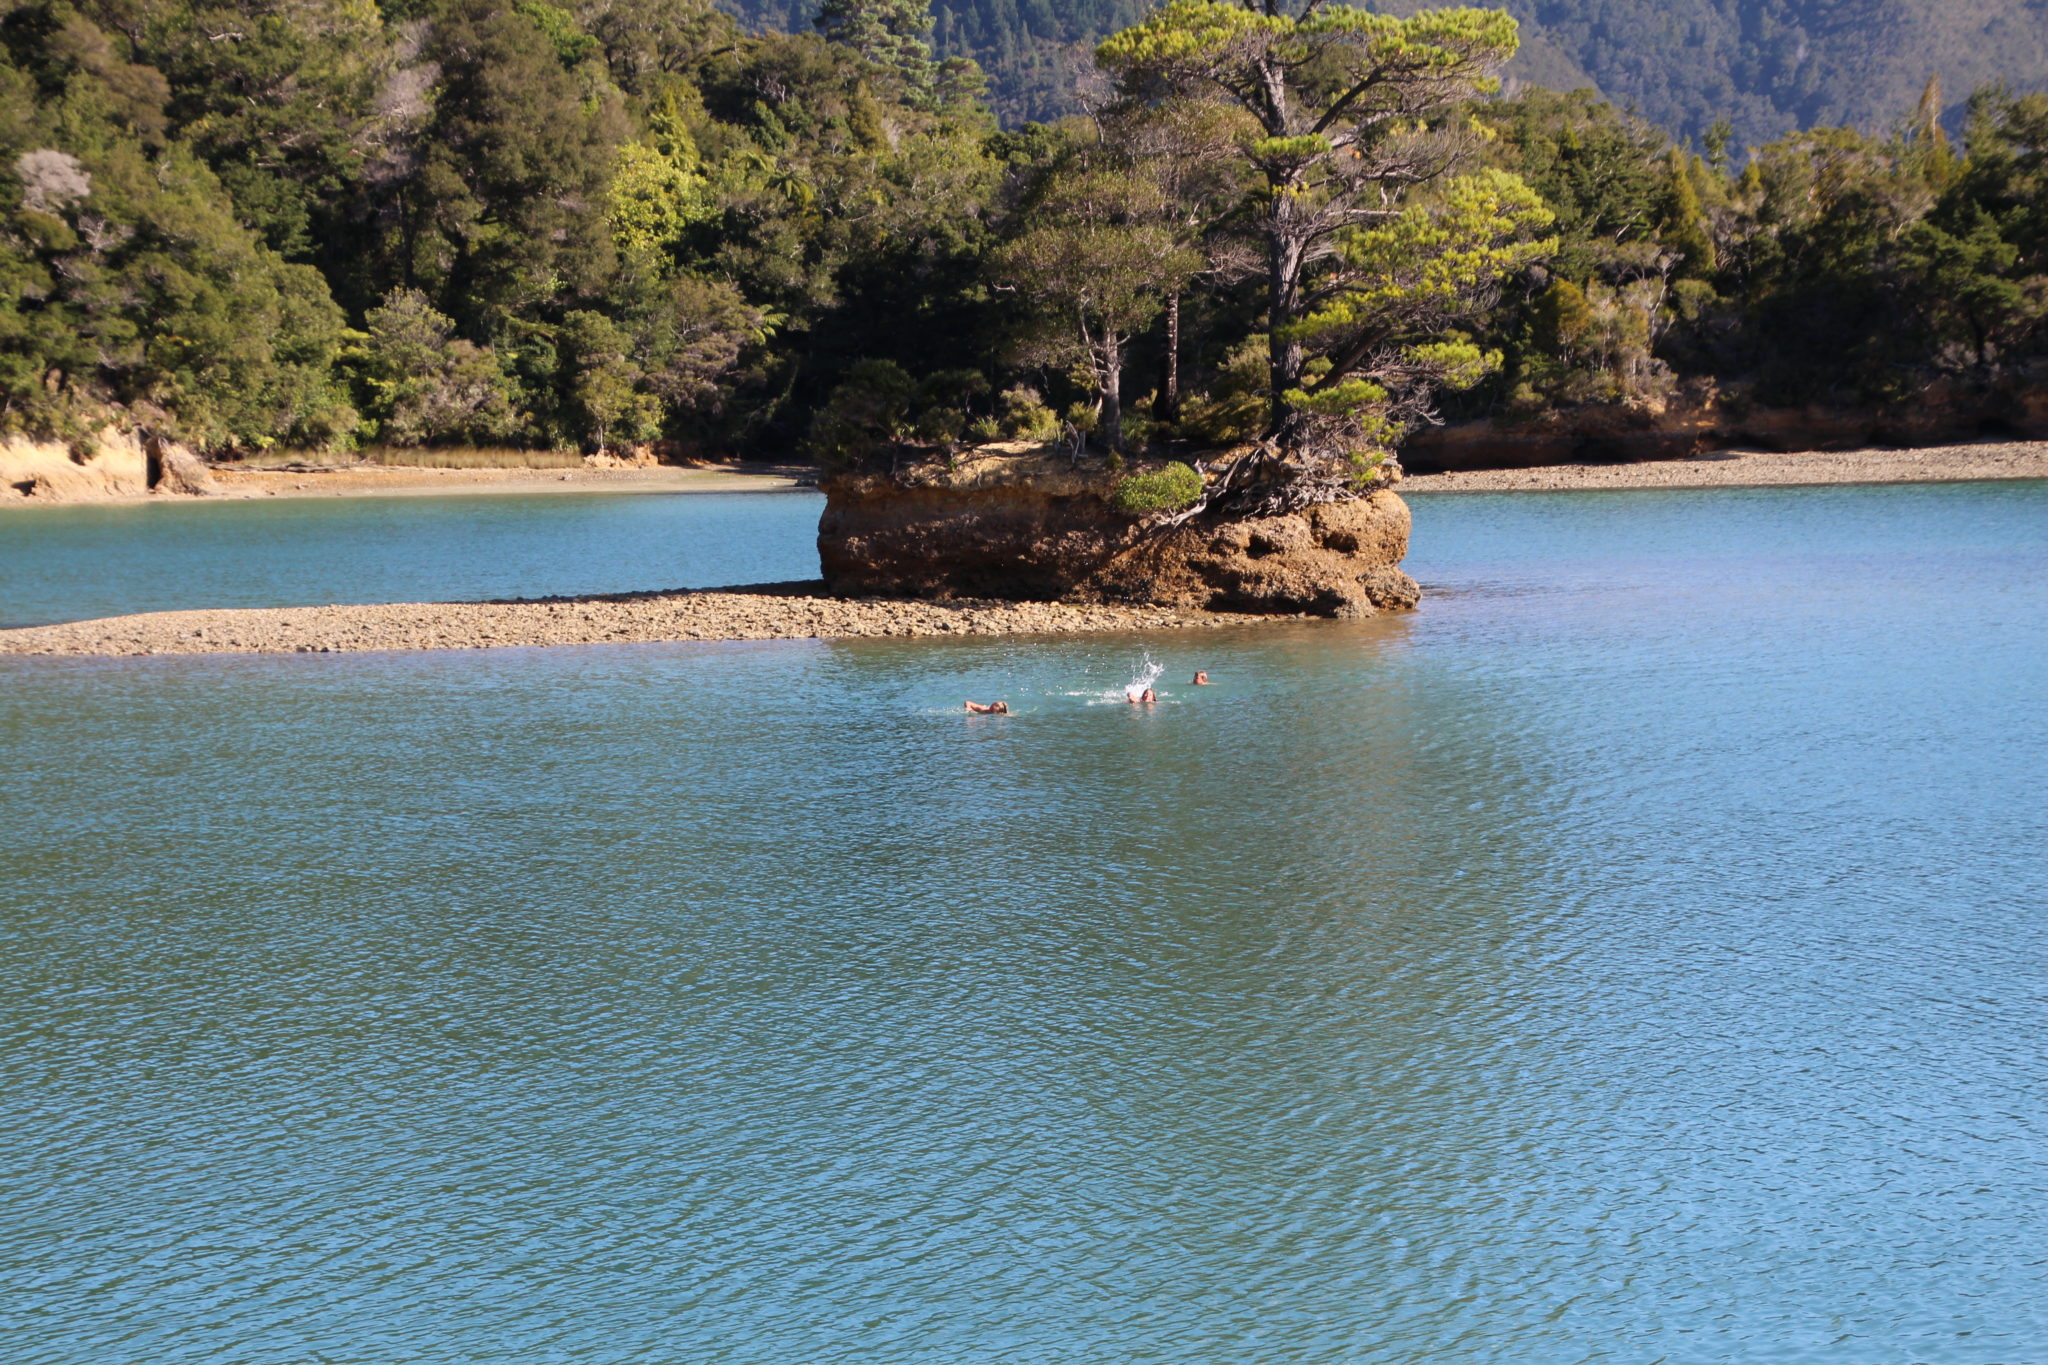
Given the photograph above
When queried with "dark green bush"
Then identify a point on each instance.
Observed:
(869, 409)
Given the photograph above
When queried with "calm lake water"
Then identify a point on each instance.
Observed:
(1636, 955)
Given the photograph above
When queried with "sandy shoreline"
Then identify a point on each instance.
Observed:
(1716, 469)
(782, 611)
(398, 481)
(231, 483)
(1759, 469)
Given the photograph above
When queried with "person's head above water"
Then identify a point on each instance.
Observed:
(989, 708)
(1201, 677)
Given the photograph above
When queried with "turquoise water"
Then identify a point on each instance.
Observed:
(73, 563)
(1635, 955)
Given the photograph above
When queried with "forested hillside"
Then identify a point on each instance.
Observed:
(1771, 66)
(320, 224)
(1036, 52)
(1766, 66)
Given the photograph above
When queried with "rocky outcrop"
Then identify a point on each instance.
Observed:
(1031, 527)
(174, 469)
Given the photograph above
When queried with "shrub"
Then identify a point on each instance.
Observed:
(982, 430)
(1026, 417)
(1167, 489)
(940, 425)
(1365, 467)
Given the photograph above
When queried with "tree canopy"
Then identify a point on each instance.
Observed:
(604, 223)
(1351, 124)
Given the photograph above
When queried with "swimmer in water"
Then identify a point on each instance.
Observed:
(989, 708)
(1133, 696)
(1201, 677)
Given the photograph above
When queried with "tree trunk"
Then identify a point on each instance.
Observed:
(1167, 407)
(1112, 390)
(1284, 251)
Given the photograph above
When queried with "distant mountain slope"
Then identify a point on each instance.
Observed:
(1767, 66)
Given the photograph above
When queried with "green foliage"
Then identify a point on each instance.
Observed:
(422, 385)
(1025, 416)
(1965, 281)
(1166, 489)
(515, 159)
(1562, 317)
(567, 223)
(1684, 231)
(1096, 263)
(1435, 261)
(890, 33)
(1233, 409)
(868, 410)
(1761, 69)
(129, 282)
(654, 199)
(1347, 113)
(603, 383)
(939, 426)
(505, 177)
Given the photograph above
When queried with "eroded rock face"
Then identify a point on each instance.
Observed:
(110, 465)
(1033, 528)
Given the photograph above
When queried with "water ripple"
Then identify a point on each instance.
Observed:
(1619, 968)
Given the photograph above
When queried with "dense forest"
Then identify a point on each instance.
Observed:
(326, 224)
(1767, 67)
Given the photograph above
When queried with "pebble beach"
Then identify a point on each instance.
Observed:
(771, 612)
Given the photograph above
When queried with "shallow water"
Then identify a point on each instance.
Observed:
(74, 563)
(1635, 955)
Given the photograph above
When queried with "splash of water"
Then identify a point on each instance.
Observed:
(1143, 678)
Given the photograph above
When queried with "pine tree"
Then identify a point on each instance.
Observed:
(1685, 223)
(891, 33)
(1344, 99)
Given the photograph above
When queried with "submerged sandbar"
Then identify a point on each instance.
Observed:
(775, 611)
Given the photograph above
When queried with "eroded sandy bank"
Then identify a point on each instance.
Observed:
(771, 612)
(1759, 469)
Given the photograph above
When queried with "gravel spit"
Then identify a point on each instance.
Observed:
(797, 611)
